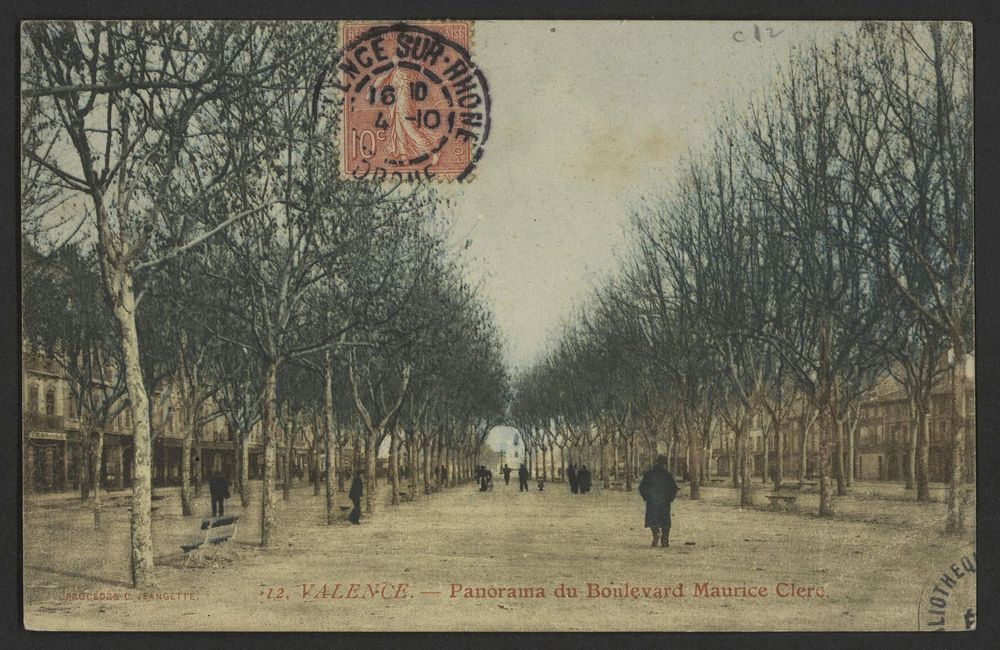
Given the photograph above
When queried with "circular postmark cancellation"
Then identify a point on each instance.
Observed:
(414, 105)
(948, 599)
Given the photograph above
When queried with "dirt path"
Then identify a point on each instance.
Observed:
(870, 565)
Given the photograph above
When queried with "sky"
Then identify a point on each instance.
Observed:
(588, 118)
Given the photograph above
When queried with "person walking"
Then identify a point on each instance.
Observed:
(218, 487)
(522, 478)
(574, 482)
(506, 474)
(658, 489)
(357, 490)
(584, 479)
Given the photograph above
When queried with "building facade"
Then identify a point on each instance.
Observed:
(53, 444)
(881, 436)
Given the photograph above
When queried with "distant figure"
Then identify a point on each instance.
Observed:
(574, 482)
(482, 475)
(522, 478)
(218, 486)
(658, 490)
(357, 489)
(444, 475)
(489, 479)
(584, 479)
(506, 474)
(541, 484)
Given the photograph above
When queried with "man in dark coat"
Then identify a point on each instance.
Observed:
(218, 486)
(658, 490)
(506, 474)
(574, 483)
(357, 490)
(481, 476)
(522, 478)
(583, 477)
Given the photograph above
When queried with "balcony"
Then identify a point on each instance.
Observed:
(44, 422)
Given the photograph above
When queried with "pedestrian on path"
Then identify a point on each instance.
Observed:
(574, 482)
(218, 488)
(584, 479)
(357, 490)
(506, 474)
(522, 478)
(658, 489)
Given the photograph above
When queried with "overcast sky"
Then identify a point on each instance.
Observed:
(586, 118)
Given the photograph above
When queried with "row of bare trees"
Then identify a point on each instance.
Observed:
(823, 239)
(190, 240)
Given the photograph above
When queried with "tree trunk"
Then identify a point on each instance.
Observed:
(746, 490)
(911, 449)
(825, 491)
(198, 464)
(286, 492)
(268, 519)
(804, 426)
(737, 468)
(766, 464)
(96, 468)
(628, 465)
(121, 294)
(186, 509)
(779, 460)
(371, 451)
(394, 465)
(244, 470)
(956, 484)
(922, 457)
(426, 457)
(83, 466)
(838, 450)
(695, 475)
(852, 430)
(413, 463)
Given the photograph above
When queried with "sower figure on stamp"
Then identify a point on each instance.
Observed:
(218, 487)
(658, 490)
(357, 489)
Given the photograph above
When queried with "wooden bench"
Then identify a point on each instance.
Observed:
(216, 530)
(790, 487)
(618, 485)
(405, 495)
(778, 500)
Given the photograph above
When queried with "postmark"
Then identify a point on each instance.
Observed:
(948, 598)
(415, 105)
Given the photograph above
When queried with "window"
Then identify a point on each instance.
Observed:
(71, 404)
(50, 402)
(33, 399)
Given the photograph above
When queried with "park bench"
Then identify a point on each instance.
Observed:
(405, 496)
(618, 485)
(215, 531)
(778, 500)
(790, 487)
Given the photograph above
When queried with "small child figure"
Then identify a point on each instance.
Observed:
(541, 484)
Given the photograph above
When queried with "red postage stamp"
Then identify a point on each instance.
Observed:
(415, 105)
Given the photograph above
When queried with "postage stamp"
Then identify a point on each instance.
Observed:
(415, 104)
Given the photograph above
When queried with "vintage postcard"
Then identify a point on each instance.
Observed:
(463, 325)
